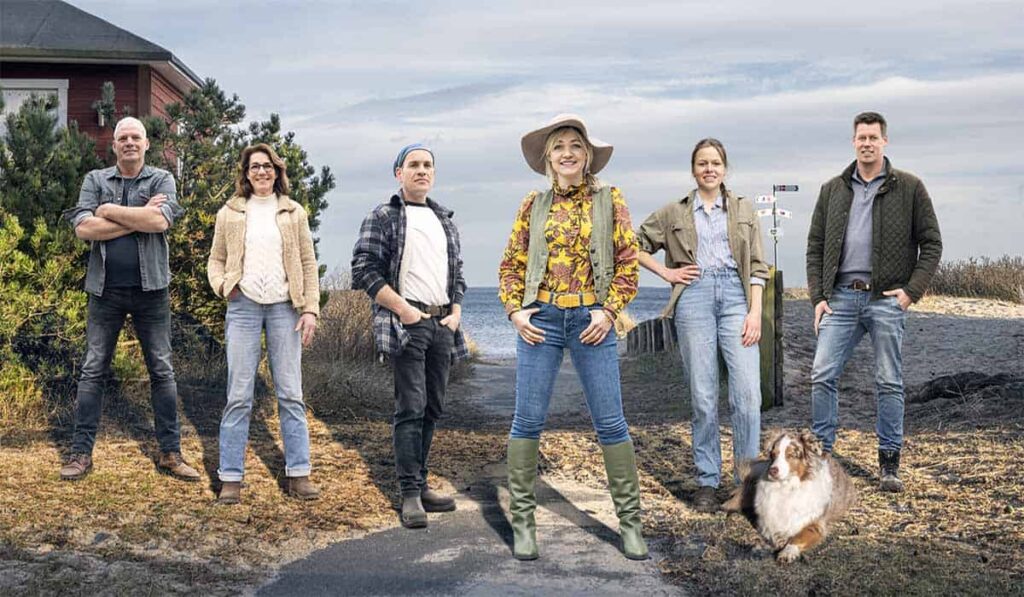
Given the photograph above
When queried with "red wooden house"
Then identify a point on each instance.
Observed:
(49, 46)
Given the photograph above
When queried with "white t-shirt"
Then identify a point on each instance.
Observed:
(263, 278)
(423, 276)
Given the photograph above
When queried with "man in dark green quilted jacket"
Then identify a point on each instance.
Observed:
(872, 250)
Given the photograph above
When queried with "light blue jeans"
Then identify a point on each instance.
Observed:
(853, 315)
(596, 365)
(709, 318)
(244, 325)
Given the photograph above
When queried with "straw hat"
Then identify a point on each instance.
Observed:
(533, 143)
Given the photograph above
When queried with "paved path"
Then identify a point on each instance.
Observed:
(468, 552)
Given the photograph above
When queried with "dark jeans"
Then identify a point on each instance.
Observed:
(151, 316)
(421, 378)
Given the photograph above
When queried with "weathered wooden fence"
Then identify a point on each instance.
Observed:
(656, 335)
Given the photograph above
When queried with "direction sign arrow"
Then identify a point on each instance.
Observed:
(766, 198)
(786, 187)
(767, 211)
(783, 213)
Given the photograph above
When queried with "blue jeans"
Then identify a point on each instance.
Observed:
(853, 314)
(244, 325)
(151, 317)
(709, 319)
(597, 366)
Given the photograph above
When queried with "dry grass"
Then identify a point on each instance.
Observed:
(959, 529)
(976, 277)
(981, 277)
(125, 511)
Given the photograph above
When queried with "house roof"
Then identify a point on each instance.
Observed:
(55, 31)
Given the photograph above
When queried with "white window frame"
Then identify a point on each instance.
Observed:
(59, 87)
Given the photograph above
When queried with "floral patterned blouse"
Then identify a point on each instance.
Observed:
(568, 229)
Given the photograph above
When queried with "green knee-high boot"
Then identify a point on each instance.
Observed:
(522, 473)
(624, 485)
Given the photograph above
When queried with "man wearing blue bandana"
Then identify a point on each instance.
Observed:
(407, 258)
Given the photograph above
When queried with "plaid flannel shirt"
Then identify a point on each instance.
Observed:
(377, 258)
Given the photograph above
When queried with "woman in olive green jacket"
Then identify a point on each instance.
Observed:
(712, 245)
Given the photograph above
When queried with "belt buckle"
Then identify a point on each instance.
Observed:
(860, 285)
(567, 301)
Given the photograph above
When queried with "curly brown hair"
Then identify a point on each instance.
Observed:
(243, 188)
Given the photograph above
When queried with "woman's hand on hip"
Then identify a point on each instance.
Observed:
(682, 275)
(527, 331)
(751, 329)
(307, 326)
(600, 323)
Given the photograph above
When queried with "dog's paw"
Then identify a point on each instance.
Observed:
(788, 554)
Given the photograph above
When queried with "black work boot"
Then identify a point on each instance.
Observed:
(889, 473)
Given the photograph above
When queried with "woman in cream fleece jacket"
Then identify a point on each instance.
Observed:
(262, 262)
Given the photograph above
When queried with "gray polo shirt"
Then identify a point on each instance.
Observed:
(107, 186)
(855, 260)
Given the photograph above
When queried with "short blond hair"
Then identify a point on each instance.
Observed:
(130, 120)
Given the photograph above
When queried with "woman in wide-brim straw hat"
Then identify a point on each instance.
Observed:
(570, 268)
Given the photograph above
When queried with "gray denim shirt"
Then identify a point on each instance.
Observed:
(105, 186)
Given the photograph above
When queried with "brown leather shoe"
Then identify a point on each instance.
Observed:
(171, 463)
(76, 467)
(302, 488)
(230, 493)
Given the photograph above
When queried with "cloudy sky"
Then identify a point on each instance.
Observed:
(778, 83)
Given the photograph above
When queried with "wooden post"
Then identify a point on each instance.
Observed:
(771, 341)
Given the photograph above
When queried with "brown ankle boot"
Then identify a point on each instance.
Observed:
(302, 488)
(76, 467)
(230, 493)
(171, 463)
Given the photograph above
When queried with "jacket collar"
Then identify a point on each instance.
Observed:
(890, 176)
(398, 200)
(727, 197)
(284, 203)
(113, 172)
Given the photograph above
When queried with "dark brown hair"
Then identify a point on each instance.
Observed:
(870, 118)
(243, 188)
(709, 142)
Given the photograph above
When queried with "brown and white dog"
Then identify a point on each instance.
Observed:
(792, 496)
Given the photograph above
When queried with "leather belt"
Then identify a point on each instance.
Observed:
(442, 311)
(860, 285)
(567, 301)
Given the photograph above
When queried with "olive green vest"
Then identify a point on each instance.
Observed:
(602, 249)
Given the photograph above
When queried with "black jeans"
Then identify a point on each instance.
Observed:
(151, 316)
(421, 378)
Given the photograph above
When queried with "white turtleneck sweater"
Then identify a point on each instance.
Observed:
(263, 278)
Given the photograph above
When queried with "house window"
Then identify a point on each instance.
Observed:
(17, 91)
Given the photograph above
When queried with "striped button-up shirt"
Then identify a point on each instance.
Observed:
(713, 237)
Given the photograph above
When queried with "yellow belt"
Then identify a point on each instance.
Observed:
(567, 301)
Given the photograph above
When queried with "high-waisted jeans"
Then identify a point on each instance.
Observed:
(709, 319)
(597, 366)
(245, 323)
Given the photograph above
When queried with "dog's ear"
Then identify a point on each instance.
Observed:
(769, 440)
(810, 442)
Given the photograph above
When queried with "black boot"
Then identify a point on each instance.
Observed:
(889, 473)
